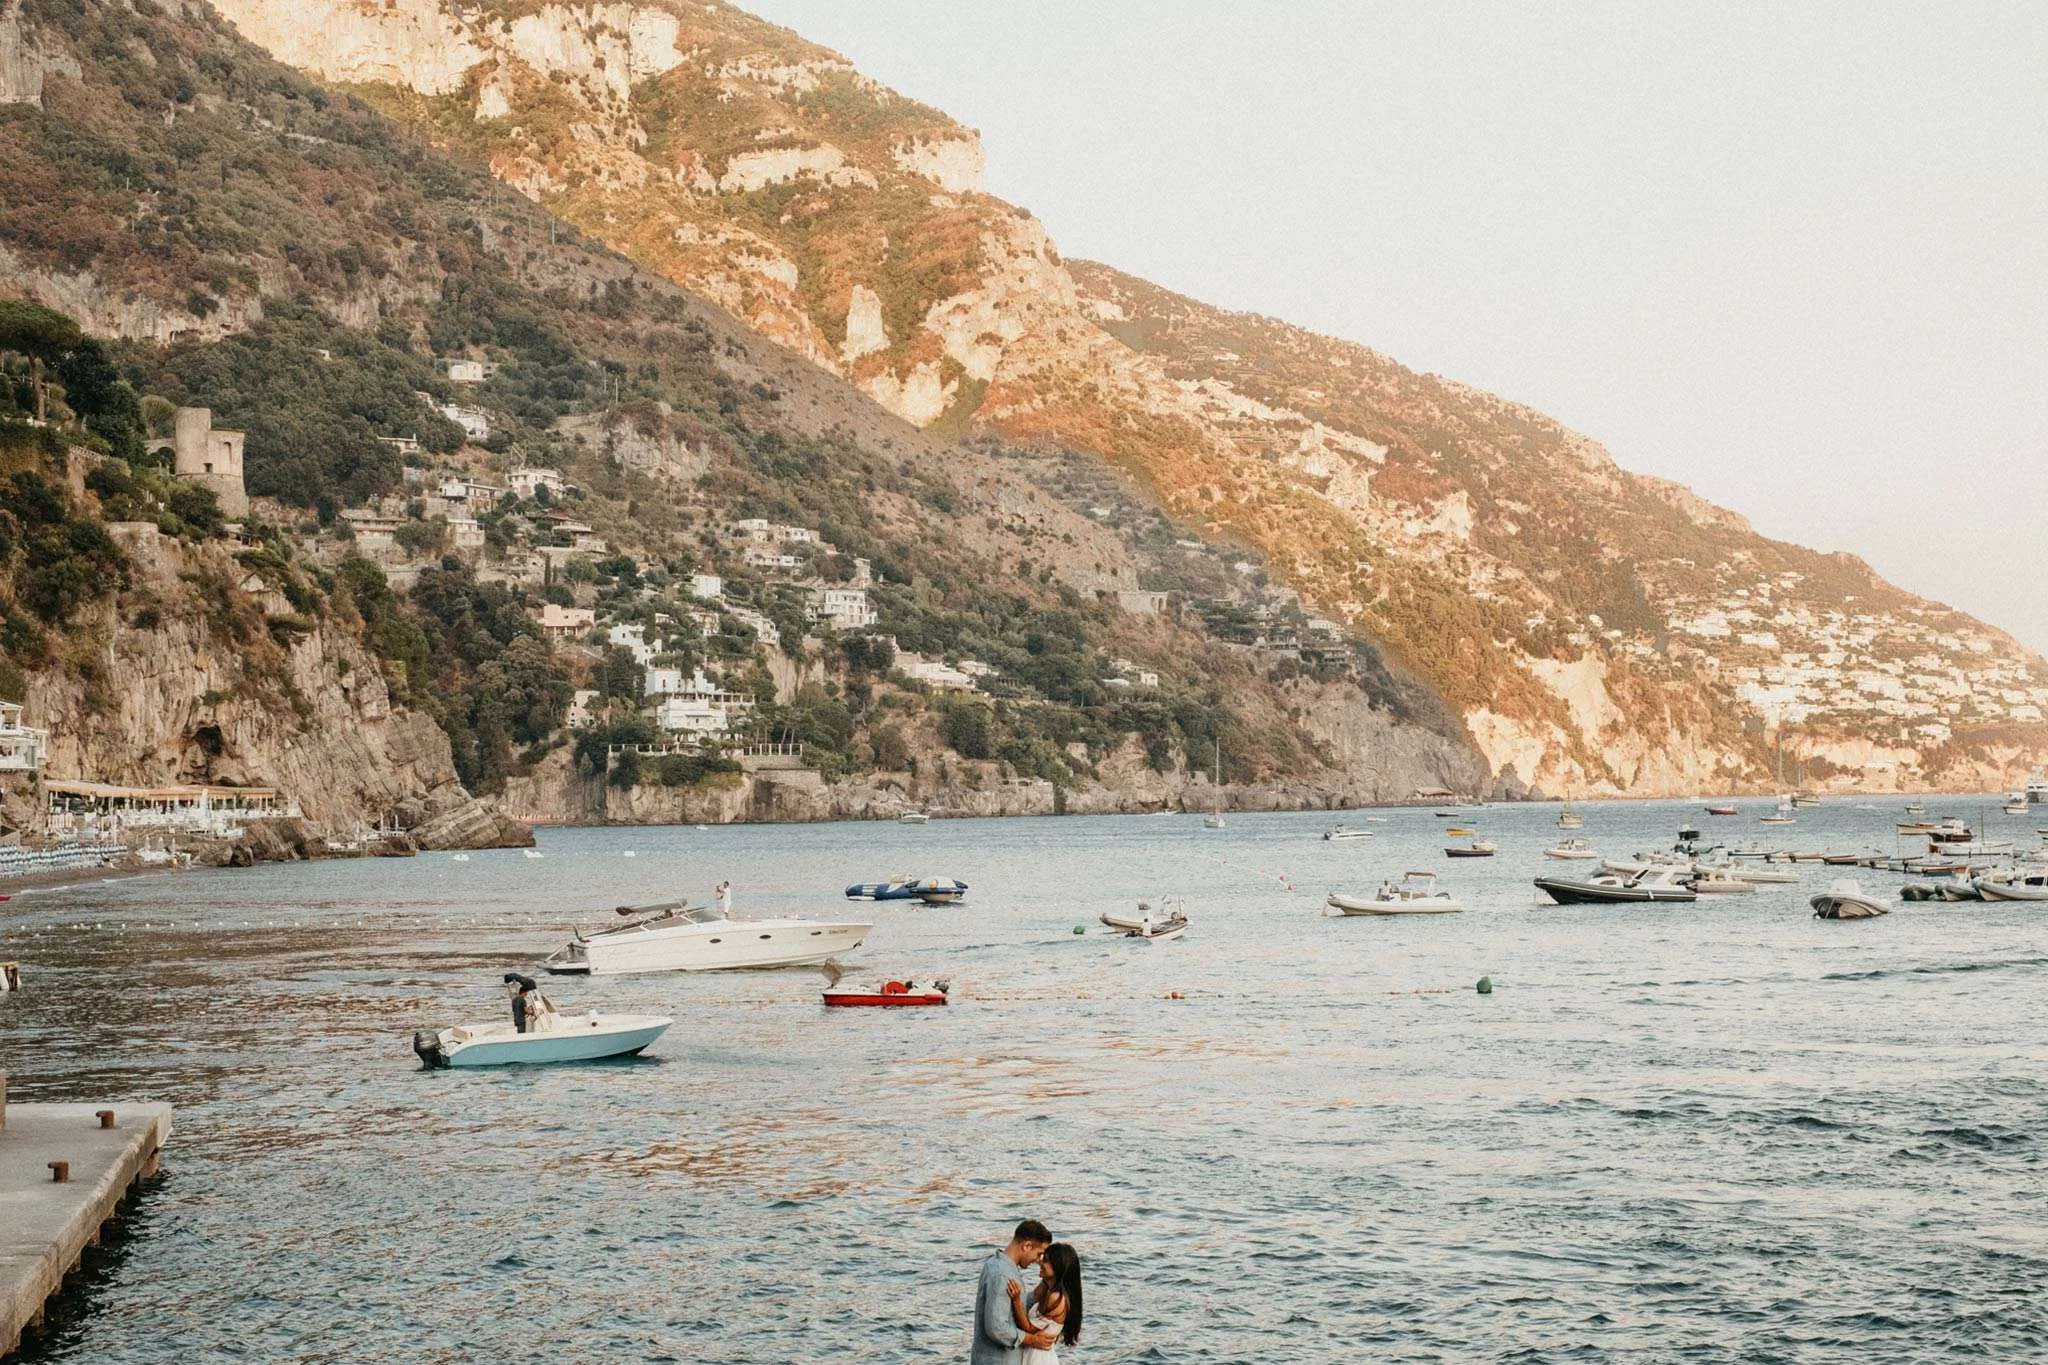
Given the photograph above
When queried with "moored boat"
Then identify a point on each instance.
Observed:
(913, 817)
(551, 1038)
(681, 938)
(1161, 924)
(1846, 899)
(1415, 894)
(1477, 848)
(889, 995)
(1571, 850)
(2033, 887)
(1341, 833)
(930, 890)
(1656, 884)
(1722, 810)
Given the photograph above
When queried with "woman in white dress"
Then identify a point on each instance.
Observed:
(1055, 1304)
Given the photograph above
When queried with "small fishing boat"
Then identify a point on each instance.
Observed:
(1477, 848)
(1846, 899)
(529, 853)
(913, 817)
(1569, 818)
(1341, 833)
(1161, 924)
(550, 1038)
(1722, 810)
(1915, 808)
(1805, 799)
(1415, 894)
(2015, 804)
(930, 890)
(1655, 884)
(1571, 850)
(890, 995)
(1460, 832)
(1717, 883)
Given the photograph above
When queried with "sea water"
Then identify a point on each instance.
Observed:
(1716, 1131)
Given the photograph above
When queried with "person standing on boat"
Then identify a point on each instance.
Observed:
(525, 992)
(998, 1340)
(724, 894)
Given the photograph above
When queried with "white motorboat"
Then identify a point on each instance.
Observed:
(1155, 924)
(1571, 850)
(1569, 818)
(1846, 899)
(1718, 883)
(551, 1038)
(682, 938)
(2033, 887)
(1340, 833)
(1415, 894)
(913, 817)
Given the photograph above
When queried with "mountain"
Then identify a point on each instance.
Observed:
(383, 323)
(1594, 630)
(711, 275)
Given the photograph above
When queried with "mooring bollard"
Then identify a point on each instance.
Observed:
(60, 1171)
(106, 1118)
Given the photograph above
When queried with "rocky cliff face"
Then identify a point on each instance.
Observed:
(1594, 630)
(167, 685)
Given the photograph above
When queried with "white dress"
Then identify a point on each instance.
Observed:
(1033, 1356)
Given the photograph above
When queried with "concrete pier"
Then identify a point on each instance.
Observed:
(45, 1224)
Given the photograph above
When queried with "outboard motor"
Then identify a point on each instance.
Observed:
(428, 1045)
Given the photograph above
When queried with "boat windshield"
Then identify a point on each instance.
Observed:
(647, 916)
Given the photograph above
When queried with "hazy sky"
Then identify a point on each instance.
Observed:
(1795, 256)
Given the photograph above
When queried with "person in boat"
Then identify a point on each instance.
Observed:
(1056, 1300)
(724, 895)
(998, 1339)
(527, 1003)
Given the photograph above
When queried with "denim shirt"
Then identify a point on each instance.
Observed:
(997, 1338)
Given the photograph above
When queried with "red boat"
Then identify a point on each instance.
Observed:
(892, 995)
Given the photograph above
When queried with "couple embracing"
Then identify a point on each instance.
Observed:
(1013, 1326)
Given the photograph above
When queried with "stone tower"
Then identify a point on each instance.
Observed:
(209, 458)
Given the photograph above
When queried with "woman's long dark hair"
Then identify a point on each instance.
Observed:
(1065, 1264)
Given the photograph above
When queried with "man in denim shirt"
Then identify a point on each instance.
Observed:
(998, 1340)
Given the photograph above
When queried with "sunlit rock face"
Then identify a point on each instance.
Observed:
(1595, 631)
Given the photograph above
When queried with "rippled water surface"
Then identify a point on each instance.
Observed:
(1720, 1131)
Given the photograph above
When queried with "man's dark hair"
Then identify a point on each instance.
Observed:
(1031, 1230)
